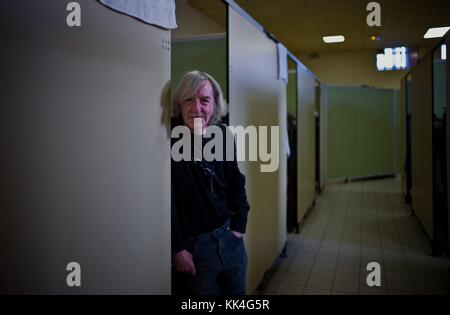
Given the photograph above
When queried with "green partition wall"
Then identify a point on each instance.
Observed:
(367, 135)
(340, 132)
(207, 54)
(386, 132)
(361, 134)
(291, 94)
(401, 135)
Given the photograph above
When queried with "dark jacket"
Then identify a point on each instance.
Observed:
(202, 202)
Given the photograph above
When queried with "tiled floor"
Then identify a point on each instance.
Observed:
(351, 225)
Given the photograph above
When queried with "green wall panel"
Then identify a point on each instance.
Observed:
(208, 55)
(401, 134)
(386, 133)
(292, 94)
(366, 145)
(340, 133)
(361, 134)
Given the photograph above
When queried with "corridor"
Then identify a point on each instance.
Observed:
(103, 195)
(351, 225)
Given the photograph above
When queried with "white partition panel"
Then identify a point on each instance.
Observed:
(447, 41)
(306, 142)
(85, 169)
(258, 98)
(422, 150)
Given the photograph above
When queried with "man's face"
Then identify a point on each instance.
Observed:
(200, 105)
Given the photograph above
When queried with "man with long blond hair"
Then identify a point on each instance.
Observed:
(209, 202)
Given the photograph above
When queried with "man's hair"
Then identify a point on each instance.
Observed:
(189, 85)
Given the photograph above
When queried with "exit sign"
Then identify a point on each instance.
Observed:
(393, 59)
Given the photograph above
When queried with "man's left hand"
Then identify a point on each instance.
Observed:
(237, 234)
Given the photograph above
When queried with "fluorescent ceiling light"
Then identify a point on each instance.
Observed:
(436, 32)
(333, 39)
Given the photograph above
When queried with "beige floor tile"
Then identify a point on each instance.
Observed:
(352, 288)
(295, 279)
(351, 225)
(321, 283)
(316, 291)
(288, 289)
(352, 278)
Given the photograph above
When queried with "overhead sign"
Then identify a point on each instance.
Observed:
(393, 59)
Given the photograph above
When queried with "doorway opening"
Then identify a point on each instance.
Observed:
(292, 167)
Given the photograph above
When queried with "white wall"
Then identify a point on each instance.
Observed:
(306, 143)
(353, 68)
(86, 159)
(258, 98)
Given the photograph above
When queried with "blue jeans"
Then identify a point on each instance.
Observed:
(220, 261)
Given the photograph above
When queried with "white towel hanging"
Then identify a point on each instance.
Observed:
(156, 12)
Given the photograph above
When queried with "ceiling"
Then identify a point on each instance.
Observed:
(301, 24)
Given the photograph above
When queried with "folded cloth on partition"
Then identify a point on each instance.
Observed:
(282, 63)
(156, 12)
